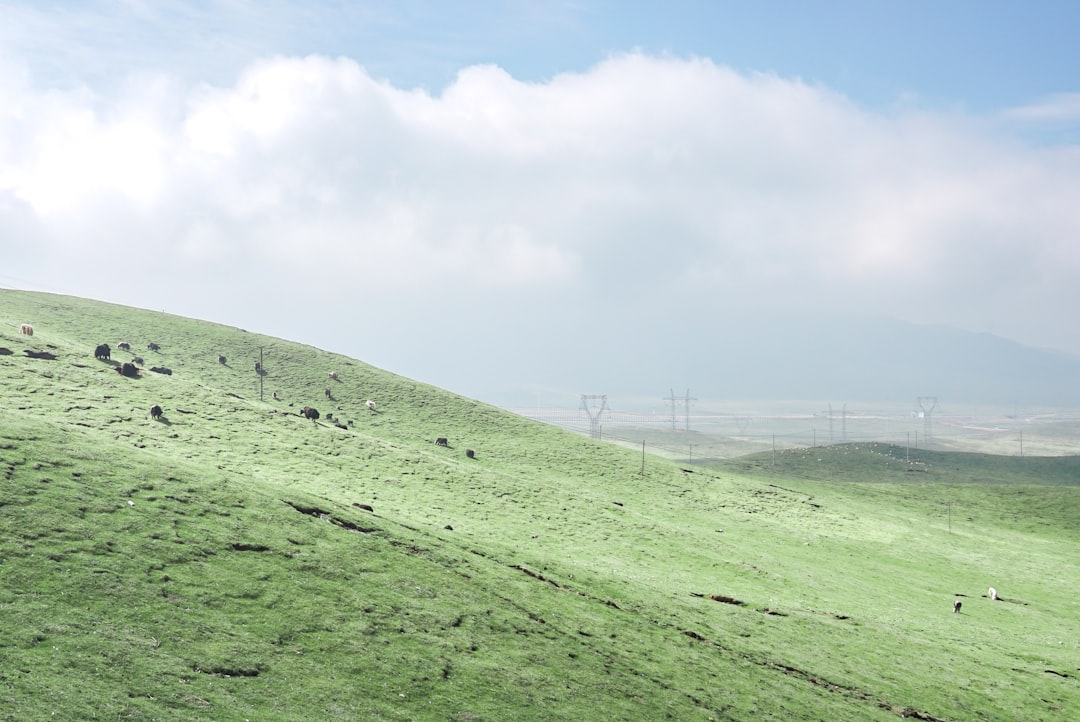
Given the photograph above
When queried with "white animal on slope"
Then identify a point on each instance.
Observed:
(26, 329)
(334, 375)
(370, 404)
(992, 594)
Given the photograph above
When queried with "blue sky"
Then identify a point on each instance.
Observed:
(552, 175)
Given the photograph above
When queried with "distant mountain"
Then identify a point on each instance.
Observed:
(852, 359)
(881, 359)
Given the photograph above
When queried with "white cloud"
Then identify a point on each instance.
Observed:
(639, 181)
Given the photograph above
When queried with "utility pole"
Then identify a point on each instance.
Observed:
(594, 418)
(924, 402)
(687, 399)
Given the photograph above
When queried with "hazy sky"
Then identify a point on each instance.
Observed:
(491, 195)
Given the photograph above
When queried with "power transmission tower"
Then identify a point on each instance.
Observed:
(594, 418)
(687, 399)
(843, 423)
(924, 402)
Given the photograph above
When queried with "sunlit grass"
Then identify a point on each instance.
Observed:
(238, 561)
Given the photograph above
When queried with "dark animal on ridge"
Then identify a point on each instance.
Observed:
(128, 369)
(221, 359)
(441, 441)
(155, 412)
(309, 413)
(102, 352)
(124, 346)
(138, 360)
(153, 346)
(470, 453)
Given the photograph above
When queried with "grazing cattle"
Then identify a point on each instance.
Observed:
(258, 367)
(992, 593)
(470, 453)
(334, 375)
(158, 370)
(441, 441)
(275, 396)
(102, 352)
(127, 369)
(26, 329)
(221, 359)
(956, 606)
(309, 413)
(327, 392)
(153, 346)
(124, 346)
(155, 412)
(138, 360)
(370, 404)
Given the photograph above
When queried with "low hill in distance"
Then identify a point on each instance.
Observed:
(236, 560)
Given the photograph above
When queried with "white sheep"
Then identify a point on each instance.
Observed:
(334, 375)
(992, 594)
(26, 329)
(370, 404)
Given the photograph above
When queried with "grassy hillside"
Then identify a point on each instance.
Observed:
(234, 560)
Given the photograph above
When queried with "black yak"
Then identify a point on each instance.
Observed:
(102, 352)
(128, 369)
(155, 412)
(309, 413)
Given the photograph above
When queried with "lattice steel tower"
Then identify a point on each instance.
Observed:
(594, 414)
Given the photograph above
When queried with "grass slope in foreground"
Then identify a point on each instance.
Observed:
(223, 563)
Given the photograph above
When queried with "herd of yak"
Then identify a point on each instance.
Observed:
(132, 369)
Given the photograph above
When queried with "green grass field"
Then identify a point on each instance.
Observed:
(234, 560)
